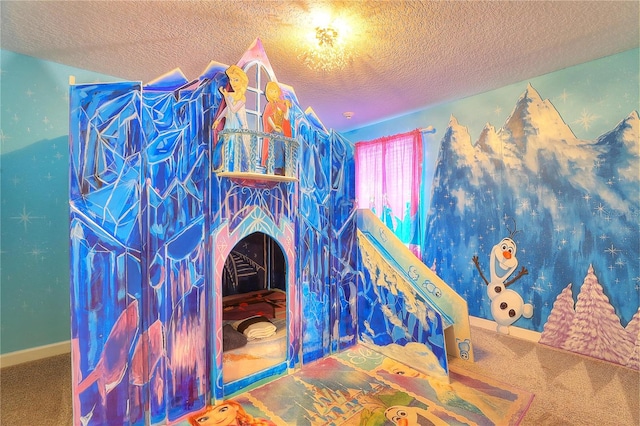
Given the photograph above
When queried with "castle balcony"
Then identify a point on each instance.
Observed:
(251, 154)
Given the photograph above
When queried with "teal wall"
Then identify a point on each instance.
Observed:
(34, 214)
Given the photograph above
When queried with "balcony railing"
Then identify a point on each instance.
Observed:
(242, 153)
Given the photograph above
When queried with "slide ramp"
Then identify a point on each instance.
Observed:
(405, 309)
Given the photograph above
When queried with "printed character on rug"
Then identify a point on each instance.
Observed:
(227, 413)
(454, 396)
(400, 409)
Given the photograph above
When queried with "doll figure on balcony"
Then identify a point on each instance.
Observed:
(275, 119)
(235, 112)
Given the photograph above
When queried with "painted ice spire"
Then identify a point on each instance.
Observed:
(256, 53)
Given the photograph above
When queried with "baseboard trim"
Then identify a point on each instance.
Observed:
(40, 352)
(34, 354)
(521, 333)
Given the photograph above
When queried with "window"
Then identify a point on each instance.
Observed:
(258, 78)
(388, 174)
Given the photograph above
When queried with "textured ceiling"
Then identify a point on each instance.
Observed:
(405, 55)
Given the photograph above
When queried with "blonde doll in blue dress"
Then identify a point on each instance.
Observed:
(235, 112)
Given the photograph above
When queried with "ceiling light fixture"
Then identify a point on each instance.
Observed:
(326, 36)
(326, 49)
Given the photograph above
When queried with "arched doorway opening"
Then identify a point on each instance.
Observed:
(254, 307)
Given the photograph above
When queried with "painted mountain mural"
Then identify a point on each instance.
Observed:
(570, 205)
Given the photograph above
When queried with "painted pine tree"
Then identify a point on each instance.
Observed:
(556, 330)
(633, 331)
(596, 330)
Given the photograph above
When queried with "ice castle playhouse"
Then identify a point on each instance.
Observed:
(181, 229)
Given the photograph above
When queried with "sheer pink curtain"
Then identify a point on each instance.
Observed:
(388, 172)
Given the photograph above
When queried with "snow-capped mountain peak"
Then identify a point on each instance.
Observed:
(455, 125)
(489, 141)
(459, 138)
(628, 129)
(619, 153)
(535, 119)
(624, 134)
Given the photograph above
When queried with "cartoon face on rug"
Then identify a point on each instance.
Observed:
(394, 367)
(402, 415)
(227, 413)
(221, 414)
(507, 305)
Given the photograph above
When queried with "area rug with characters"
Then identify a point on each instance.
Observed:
(361, 387)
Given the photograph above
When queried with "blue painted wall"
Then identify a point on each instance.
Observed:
(34, 159)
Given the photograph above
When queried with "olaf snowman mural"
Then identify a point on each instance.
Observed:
(507, 305)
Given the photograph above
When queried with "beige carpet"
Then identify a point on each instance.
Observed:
(570, 390)
(37, 393)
